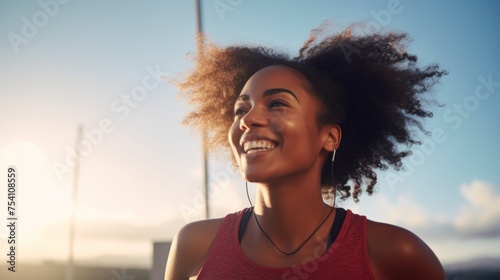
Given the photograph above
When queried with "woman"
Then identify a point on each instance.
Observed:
(298, 127)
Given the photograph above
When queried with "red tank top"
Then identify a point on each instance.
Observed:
(346, 258)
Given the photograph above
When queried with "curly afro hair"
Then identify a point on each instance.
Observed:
(368, 85)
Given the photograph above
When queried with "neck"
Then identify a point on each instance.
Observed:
(289, 211)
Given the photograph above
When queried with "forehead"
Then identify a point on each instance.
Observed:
(275, 76)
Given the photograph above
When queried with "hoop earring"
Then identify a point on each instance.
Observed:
(333, 180)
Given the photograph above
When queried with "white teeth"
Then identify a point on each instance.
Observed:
(256, 146)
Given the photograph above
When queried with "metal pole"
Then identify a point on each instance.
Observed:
(199, 31)
(69, 275)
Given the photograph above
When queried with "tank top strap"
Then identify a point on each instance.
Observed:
(337, 225)
(244, 222)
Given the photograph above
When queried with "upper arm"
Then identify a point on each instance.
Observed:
(190, 248)
(396, 253)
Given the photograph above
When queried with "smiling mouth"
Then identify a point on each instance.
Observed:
(251, 147)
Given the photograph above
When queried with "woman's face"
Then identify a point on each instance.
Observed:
(275, 133)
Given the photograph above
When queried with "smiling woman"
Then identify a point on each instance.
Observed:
(324, 120)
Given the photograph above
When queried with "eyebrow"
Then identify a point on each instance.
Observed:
(269, 92)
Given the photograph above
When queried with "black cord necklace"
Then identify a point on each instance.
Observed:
(269, 238)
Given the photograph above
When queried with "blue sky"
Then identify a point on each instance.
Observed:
(98, 63)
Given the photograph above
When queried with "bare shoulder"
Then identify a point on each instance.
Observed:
(397, 253)
(190, 248)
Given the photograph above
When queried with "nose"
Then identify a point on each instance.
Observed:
(253, 118)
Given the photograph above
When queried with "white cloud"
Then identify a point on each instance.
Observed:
(405, 211)
(477, 217)
(480, 216)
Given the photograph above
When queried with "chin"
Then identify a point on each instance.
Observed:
(254, 176)
(260, 175)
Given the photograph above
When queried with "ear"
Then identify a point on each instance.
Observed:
(333, 135)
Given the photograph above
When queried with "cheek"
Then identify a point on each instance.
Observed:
(284, 123)
(233, 137)
(278, 124)
(299, 135)
(289, 126)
